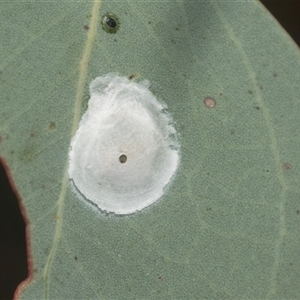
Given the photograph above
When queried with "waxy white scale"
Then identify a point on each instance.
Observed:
(125, 150)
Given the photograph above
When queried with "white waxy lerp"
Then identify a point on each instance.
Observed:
(125, 150)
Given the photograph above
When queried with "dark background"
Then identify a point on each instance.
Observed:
(13, 261)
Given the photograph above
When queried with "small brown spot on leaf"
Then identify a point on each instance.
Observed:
(287, 166)
(298, 212)
(52, 125)
(210, 102)
(275, 75)
(32, 134)
(86, 27)
(133, 76)
(75, 257)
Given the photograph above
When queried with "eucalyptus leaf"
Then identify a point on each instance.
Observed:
(228, 226)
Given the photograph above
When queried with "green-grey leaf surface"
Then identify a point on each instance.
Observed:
(228, 227)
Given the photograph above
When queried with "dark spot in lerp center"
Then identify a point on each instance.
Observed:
(123, 158)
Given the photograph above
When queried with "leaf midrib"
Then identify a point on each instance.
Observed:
(83, 66)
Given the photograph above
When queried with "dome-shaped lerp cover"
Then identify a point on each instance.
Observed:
(125, 150)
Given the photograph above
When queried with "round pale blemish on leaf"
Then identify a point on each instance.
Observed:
(126, 150)
(210, 102)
